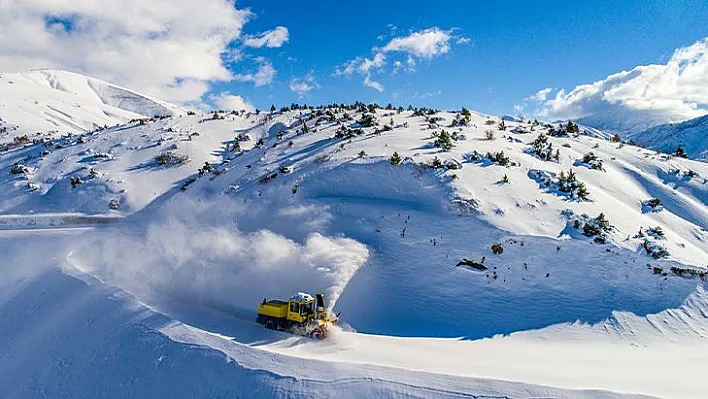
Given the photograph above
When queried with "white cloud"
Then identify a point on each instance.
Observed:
(304, 85)
(373, 84)
(377, 62)
(166, 48)
(427, 43)
(410, 62)
(272, 38)
(643, 96)
(423, 96)
(264, 76)
(229, 101)
(540, 95)
(361, 65)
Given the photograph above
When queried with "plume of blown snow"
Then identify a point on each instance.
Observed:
(197, 254)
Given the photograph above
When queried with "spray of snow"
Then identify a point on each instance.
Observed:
(189, 253)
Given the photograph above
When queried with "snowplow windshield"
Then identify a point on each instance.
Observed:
(305, 308)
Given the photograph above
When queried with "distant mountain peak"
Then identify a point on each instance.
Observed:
(691, 135)
(63, 101)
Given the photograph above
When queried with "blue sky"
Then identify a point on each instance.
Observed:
(516, 47)
(499, 57)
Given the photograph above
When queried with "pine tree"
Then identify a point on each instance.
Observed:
(444, 141)
(395, 159)
(272, 108)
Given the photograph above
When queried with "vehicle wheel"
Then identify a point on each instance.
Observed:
(270, 324)
(317, 333)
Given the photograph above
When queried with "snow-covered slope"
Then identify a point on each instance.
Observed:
(45, 101)
(691, 135)
(115, 165)
(173, 285)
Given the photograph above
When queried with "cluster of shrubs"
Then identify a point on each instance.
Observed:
(544, 149)
(499, 158)
(597, 228)
(652, 205)
(444, 140)
(75, 181)
(170, 158)
(592, 161)
(344, 132)
(462, 119)
(564, 129)
(680, 152)
(368, 120)
(19, 169)
(422, 111)
(566, 183)
(655, 250)
(656, 232)
(569, 183)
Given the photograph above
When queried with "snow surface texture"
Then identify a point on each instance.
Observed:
(158, 296)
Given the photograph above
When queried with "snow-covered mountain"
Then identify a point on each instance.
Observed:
(45, 101)
(691, 135)
(627, 121)
(464, 258)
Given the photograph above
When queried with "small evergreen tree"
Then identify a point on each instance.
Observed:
(444, 141)
(395, 159)
(543, 149)
(436, 163)
(272, 108)
(571, 127)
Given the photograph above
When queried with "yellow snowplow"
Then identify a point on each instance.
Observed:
(301, 314)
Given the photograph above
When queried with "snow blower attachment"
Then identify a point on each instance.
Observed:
(301, 314)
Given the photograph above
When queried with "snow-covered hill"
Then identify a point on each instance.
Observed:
(691, 135)
(45, 101)
(470, 264)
